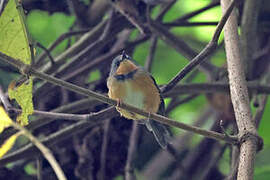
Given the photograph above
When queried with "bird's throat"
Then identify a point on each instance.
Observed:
(125, 68)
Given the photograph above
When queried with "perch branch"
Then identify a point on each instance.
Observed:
(26, 69)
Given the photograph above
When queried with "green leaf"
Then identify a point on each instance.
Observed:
(14, 42)
(23, 95)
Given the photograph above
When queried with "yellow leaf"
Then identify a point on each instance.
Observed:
(4, 119)
(4, 123)
(23, 95)
(8, 144)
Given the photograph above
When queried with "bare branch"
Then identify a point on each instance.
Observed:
(47, 52)
(133, 141)
(199, 88)
(209, 49)
(26, 69)
(29, 151)
(150, 57)
(39, 122)
(102, 172)
(45, 151)
(58, 41)
(239, 97)
(189, 24)
(249, 25)
(194, 13)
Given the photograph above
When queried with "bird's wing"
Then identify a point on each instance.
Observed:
(161, 109)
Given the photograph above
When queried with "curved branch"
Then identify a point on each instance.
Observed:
(45, 151)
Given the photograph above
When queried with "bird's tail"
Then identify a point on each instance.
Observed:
(160, 132)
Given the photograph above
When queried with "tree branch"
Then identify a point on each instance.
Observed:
(26, 69)
(29, 151)
(209, 49)
(72, 107)
(133, 141)
(249, 25)
(239, 97)
(199, 88)
(45, 151)
(194, 13)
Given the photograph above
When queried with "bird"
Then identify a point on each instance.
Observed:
(133, 85)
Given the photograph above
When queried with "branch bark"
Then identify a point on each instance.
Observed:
(240, 98)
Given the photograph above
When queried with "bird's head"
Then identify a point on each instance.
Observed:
(122, 64)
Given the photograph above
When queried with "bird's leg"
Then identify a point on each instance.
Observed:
(119, 102)
(149, 114)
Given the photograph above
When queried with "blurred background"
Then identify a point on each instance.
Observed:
(83, 37)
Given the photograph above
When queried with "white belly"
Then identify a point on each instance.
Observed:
(134, 98)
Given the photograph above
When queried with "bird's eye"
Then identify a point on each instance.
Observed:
(117, 63)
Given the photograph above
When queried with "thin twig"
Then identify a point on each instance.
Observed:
(209, 49)
(39, 167)
(45, 151)
(249, 33)
(47, 52)
(76, 47)
(202, 88)
(103, 58)
(29, 151)
(60, 39)
(133, 141)
(234, 163)
(219, 152)
(103, 153)
(179, 102)
(180, 46)
(54, 115)
(189, 24)
(151, 54)
(39, 122)
(196, 158)
(26, 69)
(128, 9)
(194, 13)
(260, 110)
(160, 162)
(164, 10)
